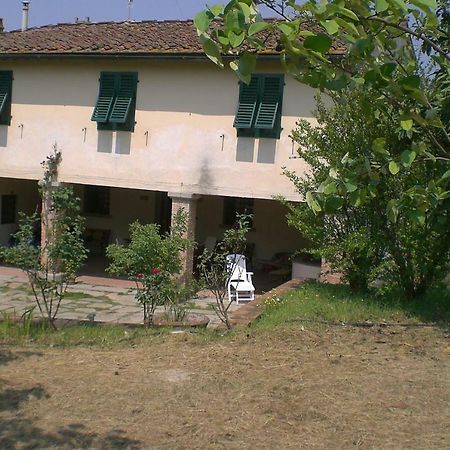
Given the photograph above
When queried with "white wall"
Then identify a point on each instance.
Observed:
(185, 107)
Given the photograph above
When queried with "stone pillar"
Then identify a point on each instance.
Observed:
(48, 215)
(188, 203)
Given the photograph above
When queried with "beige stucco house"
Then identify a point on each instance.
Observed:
(146, 124)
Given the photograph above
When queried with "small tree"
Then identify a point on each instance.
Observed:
(355, 233)
(52, 264)
(152, 260)
(215, 272)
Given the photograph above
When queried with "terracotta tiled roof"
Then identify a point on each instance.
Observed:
(127, 38)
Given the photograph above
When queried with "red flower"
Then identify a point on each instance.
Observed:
(139, 275)
(155, 271)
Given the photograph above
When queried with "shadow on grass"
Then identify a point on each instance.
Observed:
(21, 432)
(11, 399)
(433, 307)
(7, 356)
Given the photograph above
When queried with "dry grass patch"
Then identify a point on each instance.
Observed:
(317, 388)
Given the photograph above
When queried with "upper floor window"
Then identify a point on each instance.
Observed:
(259, 110)
(5, 96)
(116, 102)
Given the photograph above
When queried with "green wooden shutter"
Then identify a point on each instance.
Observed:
(248, 96)
(105, 98)
(124, 99)
(270, 101)
(5, 90)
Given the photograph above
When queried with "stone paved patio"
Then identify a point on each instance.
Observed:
(111, 300)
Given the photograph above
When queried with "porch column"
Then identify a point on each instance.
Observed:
(48, 216)
(188, 203)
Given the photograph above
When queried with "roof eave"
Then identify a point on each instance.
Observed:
(121, 55)
(128, 56)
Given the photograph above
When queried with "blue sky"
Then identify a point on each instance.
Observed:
(43, 12)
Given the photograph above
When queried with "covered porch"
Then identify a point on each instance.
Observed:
(109, 211)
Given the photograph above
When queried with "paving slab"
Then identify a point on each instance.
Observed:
(110, 300)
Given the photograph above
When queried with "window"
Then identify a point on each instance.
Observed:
(8, 208)
(259, 110)
(116, 102)
(96, 200)
(236, 205)
(5, 96)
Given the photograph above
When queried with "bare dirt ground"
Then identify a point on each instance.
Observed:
(336, 388)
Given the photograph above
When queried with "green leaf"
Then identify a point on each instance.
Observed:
(330, 188)
(417, 216)
(345, 159)
(444, 177)
(234, 21)
(245, 9)
(400, 4)
(333, 203)
(347, 26)
(411, 82)
(223, 40)
(216, 9)
(381, 5)
(406, 123)
(418, 95)
(236, 39)
(392, 210)
(336, 84)
(244, 67)
(361, 45)
(257, 27)
(378, 146)
(351, 187)
(212, 51)
(359, 80)
(348, 13)
(285, 28)
(331, 26)
(425, 4)
(393, 168)
(247, 63)
(202, 20)
(333, 174)
(387, 69)
(320, 43)
(358, 197)
(418, 118)
(408, 157)
(312, 202)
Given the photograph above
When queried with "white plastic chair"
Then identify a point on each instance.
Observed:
(240, 286)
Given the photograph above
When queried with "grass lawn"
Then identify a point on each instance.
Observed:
(280, 384)
(336, 303)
